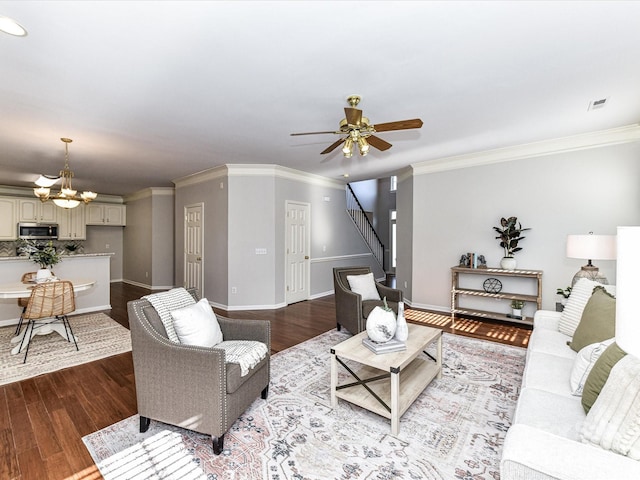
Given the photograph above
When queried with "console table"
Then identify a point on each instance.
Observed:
(457, 291)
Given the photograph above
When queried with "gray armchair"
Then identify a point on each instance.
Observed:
(351, 310)
(189, 386)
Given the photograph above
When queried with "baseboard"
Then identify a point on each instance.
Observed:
(235, 308)
(147, 286)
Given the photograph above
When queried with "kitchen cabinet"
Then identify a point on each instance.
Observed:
(71, 223)
(34, 210)
(9, 223)
(106, 214)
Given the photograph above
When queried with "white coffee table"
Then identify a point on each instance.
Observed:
(386, 384)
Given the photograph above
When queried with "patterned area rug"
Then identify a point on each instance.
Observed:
(454, 430)
(98, 337)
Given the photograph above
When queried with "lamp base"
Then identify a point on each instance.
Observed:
(590, 272)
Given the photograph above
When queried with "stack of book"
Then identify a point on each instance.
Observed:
(392, 345)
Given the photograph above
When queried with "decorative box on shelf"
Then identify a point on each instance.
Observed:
(492, 288)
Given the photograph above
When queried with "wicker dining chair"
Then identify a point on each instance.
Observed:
(23, 302)
(49, 300)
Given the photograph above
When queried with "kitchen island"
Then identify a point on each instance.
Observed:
(95, 266)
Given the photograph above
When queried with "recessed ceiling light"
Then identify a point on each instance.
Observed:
(10, 26)
(345, 175)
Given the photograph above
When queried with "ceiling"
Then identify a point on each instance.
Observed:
(155, 91)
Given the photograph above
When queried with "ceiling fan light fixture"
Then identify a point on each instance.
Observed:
(66, 197)
(347, 150)
(363, 146)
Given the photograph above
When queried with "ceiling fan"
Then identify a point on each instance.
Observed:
(356, 130)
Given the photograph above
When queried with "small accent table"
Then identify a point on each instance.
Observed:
(386, 384)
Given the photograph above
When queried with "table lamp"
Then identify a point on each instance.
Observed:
(591, 247)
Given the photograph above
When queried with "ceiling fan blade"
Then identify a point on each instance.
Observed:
(378, 143)
(313, 133)
(332, 147)
(353, 115)
(399, 125)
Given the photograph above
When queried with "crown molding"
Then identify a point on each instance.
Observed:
(150, 192)
(257, 170)
(602, 138)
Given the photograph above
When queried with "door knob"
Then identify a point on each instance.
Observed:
(306, 257)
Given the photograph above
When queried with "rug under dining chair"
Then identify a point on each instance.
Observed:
(98, 337)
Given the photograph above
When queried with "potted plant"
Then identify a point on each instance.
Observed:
(565, 292)
(46, 256)
(509, 235)
(71, 248)
(516, 308)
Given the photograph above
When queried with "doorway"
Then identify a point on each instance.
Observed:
(193, 241)
(297, 251)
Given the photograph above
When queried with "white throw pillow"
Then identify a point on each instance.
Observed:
(580, 295)
(612, 423)
(197, 325)
(365, 285)
(583, 364)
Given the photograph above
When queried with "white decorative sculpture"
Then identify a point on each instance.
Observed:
(402, 329)
(381, 324)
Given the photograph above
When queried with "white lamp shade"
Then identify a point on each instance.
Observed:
(591, 247)
(627, 288)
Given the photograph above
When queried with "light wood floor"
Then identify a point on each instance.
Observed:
(43, 419)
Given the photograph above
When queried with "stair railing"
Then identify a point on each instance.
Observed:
(363, 225)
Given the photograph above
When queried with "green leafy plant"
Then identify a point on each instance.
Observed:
(517, 304)
(71, 247)
(565, 292)
(46, 256)
(509, 235)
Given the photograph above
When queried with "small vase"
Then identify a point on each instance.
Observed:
(516, 312)
(381, 325)
(508, 263)
(402, 329)
(43, 275)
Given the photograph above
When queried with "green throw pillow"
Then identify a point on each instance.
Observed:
(598, 320)
(599, 375)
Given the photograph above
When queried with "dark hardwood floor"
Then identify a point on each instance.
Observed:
(43, 419)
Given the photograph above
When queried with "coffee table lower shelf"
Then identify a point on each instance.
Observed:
(413, 380)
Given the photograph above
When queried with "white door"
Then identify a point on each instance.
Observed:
(193, 233)
(298, 245)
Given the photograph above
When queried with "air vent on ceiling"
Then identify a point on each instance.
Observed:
(596, 104)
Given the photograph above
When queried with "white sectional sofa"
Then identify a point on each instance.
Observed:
(544, 439)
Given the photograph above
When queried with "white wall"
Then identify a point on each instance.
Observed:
(556, 195)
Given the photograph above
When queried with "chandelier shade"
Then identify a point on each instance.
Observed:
(66, 197)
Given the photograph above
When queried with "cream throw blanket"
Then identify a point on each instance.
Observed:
(165, 303)
(613, 423)
(247, 353)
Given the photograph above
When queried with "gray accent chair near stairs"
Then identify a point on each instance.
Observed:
(192, 387)
(351, 310)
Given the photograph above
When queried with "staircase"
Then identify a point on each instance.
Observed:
(363, 225)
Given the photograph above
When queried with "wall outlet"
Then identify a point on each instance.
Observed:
(234, 290)
(146, 274)
(405, 284)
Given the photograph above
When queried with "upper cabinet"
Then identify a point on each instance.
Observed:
(106, 214)
(9, 223)
(71, 223)
(34, 210)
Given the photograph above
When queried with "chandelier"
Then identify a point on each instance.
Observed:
(66, 197)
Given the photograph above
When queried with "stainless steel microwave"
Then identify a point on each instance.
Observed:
(38, 231)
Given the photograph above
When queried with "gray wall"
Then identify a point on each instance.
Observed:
(148, 237)
(105, 239)
(556, 195)
(249, 213)
(213, 193)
